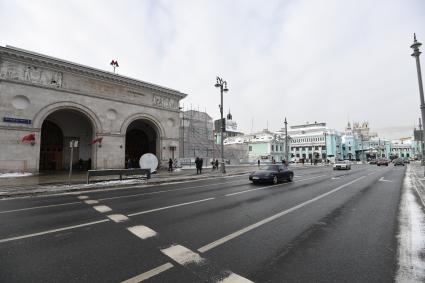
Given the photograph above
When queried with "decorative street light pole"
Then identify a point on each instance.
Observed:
(222, 84)
(415, 46)
(286, 143)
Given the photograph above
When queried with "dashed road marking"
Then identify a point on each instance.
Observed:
(118, 218)
(142, 232)
(182, 255)
(149, 274)
(234, 278)
(171, 206)
(52, 231)
(83, 197)
(91, 201)
(102, 208)
(271, 218)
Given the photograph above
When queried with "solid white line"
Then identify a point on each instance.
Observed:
(182, 255)
(91, 201)
(102, 208)
(271, 218)
(53, 231)
(117, 218)
(36, 207)
(149, 274)
(171, 206)
(142, 232)
(234, 278)
(167, 191)
(262, 188)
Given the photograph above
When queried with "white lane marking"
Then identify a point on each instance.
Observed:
(271, 218)
(52, 231)
(371, 173)
(167, 191)
(142, 232)
(118, 218)
(171, 206)
(83, 197)
(37, 207)
(383, 180)
(149, 274)
(234, 278)
(102, 208)
(336, 178)
(182, 255)
(262, 188)
(91, 201)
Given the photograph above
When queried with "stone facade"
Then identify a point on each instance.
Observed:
(33, 86)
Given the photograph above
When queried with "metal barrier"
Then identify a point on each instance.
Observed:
(118, 172)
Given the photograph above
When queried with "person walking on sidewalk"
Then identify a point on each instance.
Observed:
(197, 164)
(201, 162)
(170, 165)
(216, 164)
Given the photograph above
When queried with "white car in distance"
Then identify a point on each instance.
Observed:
(342, 165)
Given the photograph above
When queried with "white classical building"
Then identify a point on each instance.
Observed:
(52, 102)
(314, 141)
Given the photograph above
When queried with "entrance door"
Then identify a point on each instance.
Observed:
(51, 148)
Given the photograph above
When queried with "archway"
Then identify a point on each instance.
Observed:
(57, 130)
(141, 137)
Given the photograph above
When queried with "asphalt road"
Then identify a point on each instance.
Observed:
(326, 226)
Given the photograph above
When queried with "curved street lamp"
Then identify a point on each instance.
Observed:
(222, 84)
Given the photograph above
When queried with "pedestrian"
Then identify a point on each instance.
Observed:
(170, 165)
(197, 164)
(201, 162)
(258, 162)
(216, 164)
(129, 164)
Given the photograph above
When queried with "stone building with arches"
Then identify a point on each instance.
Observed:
(114, 118)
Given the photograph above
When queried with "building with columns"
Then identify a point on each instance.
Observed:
(52, 101)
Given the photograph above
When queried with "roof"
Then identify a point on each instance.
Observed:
(56, 62)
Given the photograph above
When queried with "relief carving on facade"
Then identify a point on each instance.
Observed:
(165, 102)
(32, 74)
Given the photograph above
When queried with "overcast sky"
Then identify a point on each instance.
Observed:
(326, 61)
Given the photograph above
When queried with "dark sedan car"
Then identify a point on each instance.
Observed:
(272, 173)
(398, 162)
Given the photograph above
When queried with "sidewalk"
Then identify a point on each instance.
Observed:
(418, 178)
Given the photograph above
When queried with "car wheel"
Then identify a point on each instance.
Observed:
(274, 180)
(291, 177)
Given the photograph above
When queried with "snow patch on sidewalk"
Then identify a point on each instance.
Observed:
(411, 239)
(15, 174)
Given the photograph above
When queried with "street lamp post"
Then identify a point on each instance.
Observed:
(222, 84)
(326, 148)
(286, 143)
(415, 46)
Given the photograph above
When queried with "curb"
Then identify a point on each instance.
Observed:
(46, 192)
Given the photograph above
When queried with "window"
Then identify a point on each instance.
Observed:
(272, 147)
(250, 148)
(349, 148)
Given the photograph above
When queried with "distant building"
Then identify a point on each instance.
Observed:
(266, 146)
(314, 142)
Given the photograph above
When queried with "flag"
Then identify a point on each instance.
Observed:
(29, 137)
(98, 140)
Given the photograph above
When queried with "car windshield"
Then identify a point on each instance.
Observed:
(270, 167)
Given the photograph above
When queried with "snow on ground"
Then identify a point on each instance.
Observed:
(15, 174)
(411, 238)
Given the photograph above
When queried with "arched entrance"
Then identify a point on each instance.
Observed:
(141, 137)
(57, 130)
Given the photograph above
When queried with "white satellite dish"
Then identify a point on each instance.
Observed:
(148, 161)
